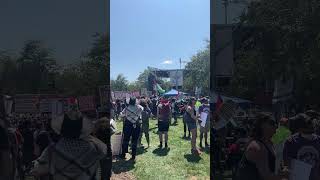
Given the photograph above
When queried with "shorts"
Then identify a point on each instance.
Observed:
(191, 126)
(163, 126)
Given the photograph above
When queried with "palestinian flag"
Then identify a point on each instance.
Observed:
(159, 89)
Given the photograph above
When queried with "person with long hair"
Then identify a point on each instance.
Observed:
(191, 120)
(304, 145)
(259, 160)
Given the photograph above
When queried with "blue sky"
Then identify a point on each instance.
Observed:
(155, 33)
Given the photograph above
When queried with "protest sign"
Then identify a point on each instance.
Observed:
(26, 103)
(203, 117)
(299, 170)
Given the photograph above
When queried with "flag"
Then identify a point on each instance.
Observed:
(219, 103)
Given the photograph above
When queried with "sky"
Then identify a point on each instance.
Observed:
(155, 33)
(65, 26)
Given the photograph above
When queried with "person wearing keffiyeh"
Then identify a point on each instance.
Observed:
(76, 155)
(132, 127)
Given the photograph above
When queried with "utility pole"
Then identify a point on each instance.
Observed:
(226, 4)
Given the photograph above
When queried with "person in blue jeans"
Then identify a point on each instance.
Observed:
(131, 127)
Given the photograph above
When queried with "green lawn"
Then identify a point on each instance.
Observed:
(175, 163)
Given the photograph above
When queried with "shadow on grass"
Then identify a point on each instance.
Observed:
(153, 128)
(206, 150)
(161, 152)
(186, 138)
(141, 150)
(122, 166)
(174, 124)
(192, 158)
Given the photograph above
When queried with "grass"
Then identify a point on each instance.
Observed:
(175, 163)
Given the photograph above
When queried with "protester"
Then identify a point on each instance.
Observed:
(132, 126)
(259, 159)
(175, 111)
(118, 109)
(164, 116)
(183, 109)
(27, 147)
(303, 146)
(103, 133)
(191, 120)
(145, 115)
(76, 155)
(205, 108)
(7, 161)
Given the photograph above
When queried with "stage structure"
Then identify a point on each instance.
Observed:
(175, 76)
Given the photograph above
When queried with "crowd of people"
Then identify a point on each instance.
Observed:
(75, 145)
(270, 149)
(136, 113)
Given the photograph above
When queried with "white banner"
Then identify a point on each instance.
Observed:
(176, 78)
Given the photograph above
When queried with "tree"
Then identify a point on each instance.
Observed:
(120, 83)
(197, 72)
(284, 43)
(8, 72)
(34, 65)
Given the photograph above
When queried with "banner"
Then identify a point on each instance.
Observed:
(26, 103)
(124, 94)
(144, 92)
(86, 103)
(176, 77)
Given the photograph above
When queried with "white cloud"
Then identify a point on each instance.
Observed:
(167, 62)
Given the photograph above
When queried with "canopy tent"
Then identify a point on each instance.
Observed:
(173, 92)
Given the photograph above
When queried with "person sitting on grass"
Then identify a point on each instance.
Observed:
(164, 116)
